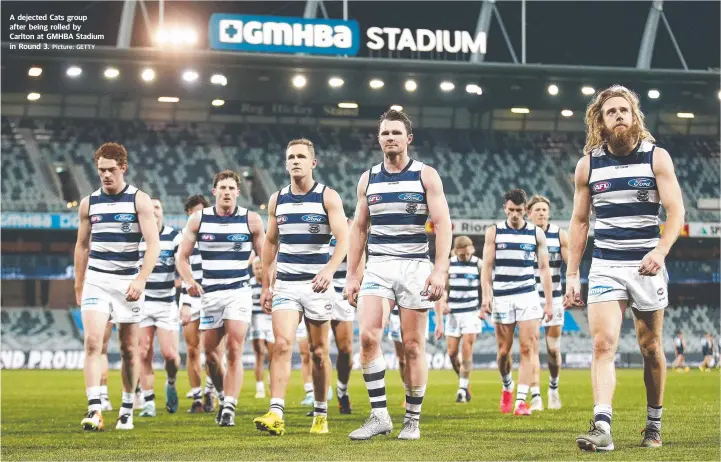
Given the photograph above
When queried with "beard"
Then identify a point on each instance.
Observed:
(622, 141)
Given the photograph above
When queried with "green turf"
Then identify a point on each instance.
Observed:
(41, 413)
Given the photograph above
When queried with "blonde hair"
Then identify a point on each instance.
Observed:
(461, 242)
(536, 199)
(594, 118)
(304, 142)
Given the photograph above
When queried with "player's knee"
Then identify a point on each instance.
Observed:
(93, 345)
(128, 352)
(235, 353)
(504, 351)
(412, 350)
(602, 345)
(193, 353)
(212, 358)
(369, 339)
(526, 348)
(318, 354)
(651, 348)
(345, 348)
(283, 347)
(169, 353)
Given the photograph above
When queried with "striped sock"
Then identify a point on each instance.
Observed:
(653, 417)
(209, 387)
(414, 401)
(277, 406)
(507, 382)
(308, 387)
(320, 408)
(127, 406)
(170, 381)
(521, 393)
(93, 394)
(374, 374)
(602, 414)
(229, 405)
(149, 395)
(341, 389)
(197, 393)
(535, 391)
(553, 383)
(104, 391)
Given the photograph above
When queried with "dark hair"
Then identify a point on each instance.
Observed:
(397, 115)
(224, 175)
(112, 151)
(517, 196)
(193, 202)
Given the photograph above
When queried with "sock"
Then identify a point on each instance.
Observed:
(221, 396)
(137, 389)
(93, 394)
(553, 383)
(229, 405)
(277, 406)
(414, 401)
(104, 391)
(260, 386)
(308, 387)
(602, 414)
(209, 387)
(521, 393)
(170, 381)
(653, 417)
(341, 389)
(149, 396)
(535, 391)
(127, 406)
(374, 374)
(507, 382)
(197, 393)
(320, 408)
(463, 383)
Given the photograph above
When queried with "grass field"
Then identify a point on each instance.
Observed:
(41, 413)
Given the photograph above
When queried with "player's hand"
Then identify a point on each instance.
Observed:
(573, 292)
(79, 294)
(548, 311)
(195, 289)
(435, 285)
(135, 290)
(652, 263)
(266, 300)
(439, 329)
(486, 308)
(185, 315)
(351, 291)
(322, 280)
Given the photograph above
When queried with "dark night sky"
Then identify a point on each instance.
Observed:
(569, 32)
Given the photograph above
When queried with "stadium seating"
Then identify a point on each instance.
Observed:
(38, 329)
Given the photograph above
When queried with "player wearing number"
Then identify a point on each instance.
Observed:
(395, 198)
(113, 220)
(226, 234)
(625, 178)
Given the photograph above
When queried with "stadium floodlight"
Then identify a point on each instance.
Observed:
(190, 76)
(168, 99)
(33, 96)
(474, 89)
(396, 107)
(219, 79)
(74, 71)
(654, 94)
(148, 75)
(35, 71)
(553, 90)
(176, 37)
(685, 115)
(719, 94)
(411, 85)
(335, 82)
(588, 91)
(299, 81)
(447, 86)
(262, 206)
(218, 102)
(376, 84)
(567, 113)
(520, 110)
(348, 105)
(111, 73)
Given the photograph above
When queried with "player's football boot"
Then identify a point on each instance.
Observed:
(507, 402)
(105, 404)
(651, 438)
(344, 404)
(374, 425)
(270, 423)
(171, 399)
(125, 422)
(227, 419)
(554, 399)
(410, 430)
(595, 440)
(208, 402)
(196, 407)
(461, 395)
(93, 421)
(536, 404)
(148, 410)
(308, 400)
(320, 425)
(522, 409)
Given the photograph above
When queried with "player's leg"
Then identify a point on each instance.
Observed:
(343, 333)
(129, 335)
(259, 352)
(553, 348)
(94, 325)
(466, 366)
(191, 333)
(235, 335)
(536, 403)
(147, 375)
(649, 331)
(320, 371)
(168, 340)
(414, 325)
(504, 340)
(305, 365)
(453, 341)
(212, 339)
(104, 399)
(528, 343)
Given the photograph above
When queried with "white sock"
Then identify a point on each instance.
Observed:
(521, 393)
(553, 384)
(127, 406)
(197, 393)
(277, 406)
(320, 408)
(104, 391)
(260, 386)
(308, 387)
(93, 394)
(602, 414)
(229, 405)
(463, 382)
(535, 391)
(341, 389)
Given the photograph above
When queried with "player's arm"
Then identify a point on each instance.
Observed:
(441, 218)
(339, 227)
(82, 248)
(480, 277)
(151, 236)
(563, 237)
(255, 224)
(187, 244)
(358, 238)
(267, 255)
(440, 309)
(544, 271)
(489, 259)
(578, 232)
(669, 192)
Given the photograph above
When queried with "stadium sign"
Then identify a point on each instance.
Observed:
(278, 34)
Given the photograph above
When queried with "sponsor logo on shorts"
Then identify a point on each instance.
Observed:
(207, 319)
(281, 219)
(126, 227)
(374, 198)
(136, 309)
(166, 253)
(207, 237)
(642, 196)
(660, 291)
(554, 249)
(370, 286)
(528, 247)
(313, 218)
(124, 217)
(238, 237)
(96, 219)
(314, 229)
(328, 307)
(411, 208)
(90, 301)
(601, 186)
(411, 197)
(280, 300)
(642, 183)
(599, 290)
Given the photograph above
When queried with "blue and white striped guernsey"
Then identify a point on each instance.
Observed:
(196, 267)
(304, 234)
(626, 204)
(555, 260)
(160, 286)
(514, 268)
(256, 288)
(398, 213)
(225, 243)
(463, 282)
(114, 235)
(340, 274)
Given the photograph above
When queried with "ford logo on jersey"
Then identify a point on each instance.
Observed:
(125, 217)
(207, 237)
(374, 198)
(238, 237)
(411, 197)
(642, 183)
(528, 247)
(313, 218)
(601, 186)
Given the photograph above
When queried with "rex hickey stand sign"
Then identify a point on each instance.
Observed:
(278, 34)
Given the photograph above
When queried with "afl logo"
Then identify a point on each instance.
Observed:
(125, 217)
(528, 247)
(313, 218)
(207, 237)
(642, 183)
(238, 237)
(96, 218)
(500, 246)
(374, 198)
(281, 219)
(411, 197)
(601, 187)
